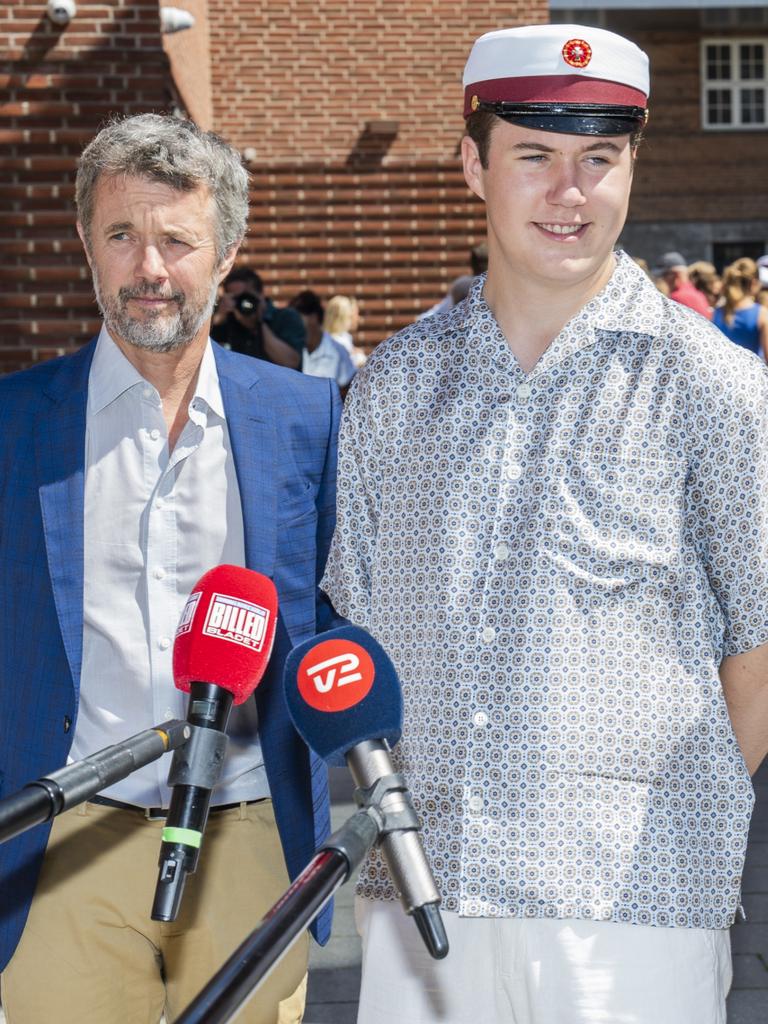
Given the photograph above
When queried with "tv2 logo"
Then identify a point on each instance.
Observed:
(335, 675)
(324, 673)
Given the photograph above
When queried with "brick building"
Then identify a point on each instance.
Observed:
(349, 118)
(700, 185)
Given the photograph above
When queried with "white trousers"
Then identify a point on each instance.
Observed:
(531, 971)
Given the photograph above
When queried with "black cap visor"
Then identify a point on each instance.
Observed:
(570, 118)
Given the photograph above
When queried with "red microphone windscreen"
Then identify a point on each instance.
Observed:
(226, 631)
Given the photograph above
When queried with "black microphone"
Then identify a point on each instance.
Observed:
(220, 653)
(344, 697)
(67, 787)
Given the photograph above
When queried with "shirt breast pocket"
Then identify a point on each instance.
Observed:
(620, 513)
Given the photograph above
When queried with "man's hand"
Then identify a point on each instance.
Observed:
(745, 685)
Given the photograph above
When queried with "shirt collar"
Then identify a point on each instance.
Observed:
(112, 375)
(208, 388)
(629, 302)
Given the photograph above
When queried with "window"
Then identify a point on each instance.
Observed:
(724, 253)
(735, 84)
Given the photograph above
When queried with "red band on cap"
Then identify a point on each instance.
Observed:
(553, 89)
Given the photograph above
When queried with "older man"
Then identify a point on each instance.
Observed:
(127, 470)
(553, 511)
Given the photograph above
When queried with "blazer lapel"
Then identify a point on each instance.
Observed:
(60, 453)
(254, 448)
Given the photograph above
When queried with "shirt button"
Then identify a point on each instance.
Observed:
(159, 574)
(514, 471)
(159, 504)
(480, 719)
(164, 643)
(489, 634)
(167, 714)
(147, 392)
(154, 433)
(501, 551)
(476, 804)
(524, 392)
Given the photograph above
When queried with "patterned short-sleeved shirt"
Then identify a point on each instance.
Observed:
(558, 562)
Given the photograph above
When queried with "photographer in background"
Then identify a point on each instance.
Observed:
(248, 322)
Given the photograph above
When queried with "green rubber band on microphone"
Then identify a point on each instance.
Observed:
(187, 836)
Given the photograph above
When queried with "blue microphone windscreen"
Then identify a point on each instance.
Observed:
(342, 689)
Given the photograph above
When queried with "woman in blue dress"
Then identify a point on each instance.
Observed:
(741, 317)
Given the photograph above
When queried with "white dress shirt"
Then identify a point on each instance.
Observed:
(155, 521)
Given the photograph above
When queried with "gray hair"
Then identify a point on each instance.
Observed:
(173, 152)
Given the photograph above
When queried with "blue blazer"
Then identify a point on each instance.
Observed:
(283, 430)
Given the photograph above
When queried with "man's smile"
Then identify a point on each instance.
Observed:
(561, 231)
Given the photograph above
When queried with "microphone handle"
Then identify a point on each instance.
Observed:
(43, 799)
(195, 770)
(369, 761)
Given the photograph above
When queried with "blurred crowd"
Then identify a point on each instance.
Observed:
(317, 337)
(305, 335)
(736, 301)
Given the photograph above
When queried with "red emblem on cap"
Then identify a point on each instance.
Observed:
(577, 53)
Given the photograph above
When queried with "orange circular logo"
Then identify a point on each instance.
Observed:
(335, 675)
(577, 53)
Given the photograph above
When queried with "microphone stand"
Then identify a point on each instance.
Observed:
(381, 816)
(282, 925)
(43, 799)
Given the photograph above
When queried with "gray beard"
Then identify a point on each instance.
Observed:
(160, 332)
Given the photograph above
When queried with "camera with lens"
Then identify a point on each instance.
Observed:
(247, 303)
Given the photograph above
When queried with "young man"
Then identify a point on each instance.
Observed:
(126, 471)
(554, 514)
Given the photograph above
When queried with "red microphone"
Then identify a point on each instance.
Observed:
(226, 631)
(221, 651)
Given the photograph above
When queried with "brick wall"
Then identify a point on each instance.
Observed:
(686, 173)
(56, 87)
(189, 53)
(394, 237)
(350, 116)
(304, 77)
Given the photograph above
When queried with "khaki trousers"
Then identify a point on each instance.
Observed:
(90, 954)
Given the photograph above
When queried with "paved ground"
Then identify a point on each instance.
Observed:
(748, 1002)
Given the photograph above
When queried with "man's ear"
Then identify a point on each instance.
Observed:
(473, 166)
(84, 240)
(228, 261)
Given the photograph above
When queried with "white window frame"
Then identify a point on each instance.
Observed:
(734, 84)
